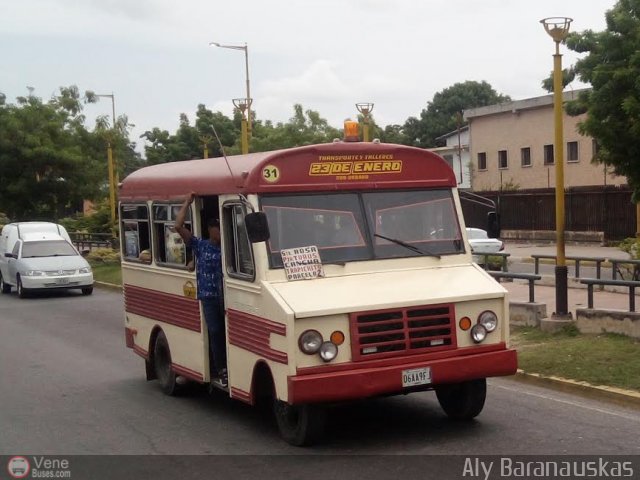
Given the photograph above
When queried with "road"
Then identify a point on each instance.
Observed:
(69, 386)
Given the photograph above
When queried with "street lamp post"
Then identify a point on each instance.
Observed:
(113, 169)
(245, 49)
(365, 109)
(558, 29)
(243, 104)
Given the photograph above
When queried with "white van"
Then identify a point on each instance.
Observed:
(40, 255)
(12, 232)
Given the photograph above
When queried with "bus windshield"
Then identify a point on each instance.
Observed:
(364, 226)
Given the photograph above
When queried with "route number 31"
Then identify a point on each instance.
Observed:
(271, 173)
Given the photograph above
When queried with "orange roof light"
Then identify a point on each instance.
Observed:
(351, 131)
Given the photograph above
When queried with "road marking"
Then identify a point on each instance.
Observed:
(572, 403)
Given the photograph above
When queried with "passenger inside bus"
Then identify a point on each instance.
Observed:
(210, 289)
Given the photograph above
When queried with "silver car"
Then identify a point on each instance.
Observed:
(45, 261)
(481, 243)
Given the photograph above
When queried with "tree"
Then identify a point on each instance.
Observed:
(189, 140)
(440, 115)
(612, 67)
(47, 164)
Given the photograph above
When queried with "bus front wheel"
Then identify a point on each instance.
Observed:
(463, 401)
(300, 425)
(162, 365)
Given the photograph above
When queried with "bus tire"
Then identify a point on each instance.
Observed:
(6, 288)
(300, 425)
(162, 365)
(462, 401)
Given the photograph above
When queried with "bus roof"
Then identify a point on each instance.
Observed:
(325, 167)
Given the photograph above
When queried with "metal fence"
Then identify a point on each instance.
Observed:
(605, 209)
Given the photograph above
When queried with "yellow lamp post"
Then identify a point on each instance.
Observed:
(558, 29)
(245, 49)
(243, 104)
(365, 109)
(113, 169)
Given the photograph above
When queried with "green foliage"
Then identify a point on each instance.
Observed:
(4, 219)
(103, 256)
(443, 113)
(49, 161)
(631, 246)
(97, 222)
(612, 67)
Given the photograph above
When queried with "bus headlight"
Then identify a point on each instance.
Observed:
(478, 333)
(310, 341)
(328, 351)
(488, 320)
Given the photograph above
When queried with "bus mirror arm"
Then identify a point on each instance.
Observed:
(257, 227)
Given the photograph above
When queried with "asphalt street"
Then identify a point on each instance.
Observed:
(69, 386)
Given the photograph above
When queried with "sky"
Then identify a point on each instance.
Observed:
(328, 55)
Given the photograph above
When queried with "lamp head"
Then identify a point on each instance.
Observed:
(557, 27)
(364, 108)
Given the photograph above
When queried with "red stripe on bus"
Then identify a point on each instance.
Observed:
(187, 373)
(241, 395)
(176, 310)
(253, 333)
(141, 351)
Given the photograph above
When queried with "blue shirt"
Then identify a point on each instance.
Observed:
(208, 268)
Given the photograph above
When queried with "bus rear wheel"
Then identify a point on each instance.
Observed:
(162, 365)
(300, 425)
(463, 401)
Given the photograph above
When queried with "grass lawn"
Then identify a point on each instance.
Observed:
(109, 273)
(605, 359)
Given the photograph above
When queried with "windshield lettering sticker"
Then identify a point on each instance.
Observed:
(302, 263)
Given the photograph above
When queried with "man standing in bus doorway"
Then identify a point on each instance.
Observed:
(209, 278)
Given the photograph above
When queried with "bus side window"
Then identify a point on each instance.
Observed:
(136, 234)
(170, 249)
(239, 254)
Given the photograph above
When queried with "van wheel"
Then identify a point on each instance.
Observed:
(300, 425)
(87, 291)
(22, 292)
(463, 401)
(6, 288)
(162, 365)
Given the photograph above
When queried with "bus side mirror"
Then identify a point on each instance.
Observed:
(493, 225)
(257, 227)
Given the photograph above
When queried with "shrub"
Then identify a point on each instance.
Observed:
(103, 256)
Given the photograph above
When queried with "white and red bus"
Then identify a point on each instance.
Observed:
(347, 275)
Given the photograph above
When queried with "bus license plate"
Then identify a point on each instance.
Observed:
(416, 376)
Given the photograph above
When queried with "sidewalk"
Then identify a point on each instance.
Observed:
(545, 290)
(523, 251)
(577, 297)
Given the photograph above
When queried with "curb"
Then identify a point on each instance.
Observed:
(619, 396)
(108, 286)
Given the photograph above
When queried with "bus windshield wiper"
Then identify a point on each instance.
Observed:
(413, 248)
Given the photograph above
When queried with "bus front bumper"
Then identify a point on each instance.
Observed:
(359, 383)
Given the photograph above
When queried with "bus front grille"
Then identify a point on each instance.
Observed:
(395, 332)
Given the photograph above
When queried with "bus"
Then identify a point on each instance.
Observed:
(347, 275)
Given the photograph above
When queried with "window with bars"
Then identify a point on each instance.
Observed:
(482, 161)
(503, 161)
(525, 156)
(549, 158)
